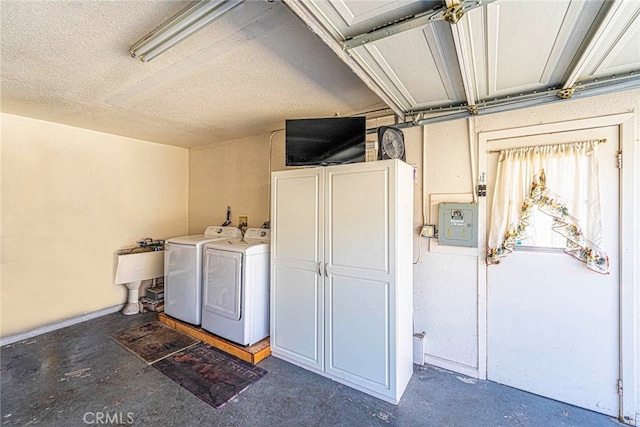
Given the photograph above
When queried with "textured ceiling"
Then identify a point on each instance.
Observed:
(68, 62)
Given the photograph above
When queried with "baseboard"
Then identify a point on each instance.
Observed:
(452, 366)
(59, 325)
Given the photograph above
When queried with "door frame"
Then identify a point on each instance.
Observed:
(629, 246)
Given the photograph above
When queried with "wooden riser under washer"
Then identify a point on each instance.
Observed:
(252, 354)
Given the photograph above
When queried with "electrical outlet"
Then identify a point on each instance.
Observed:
(428, 230)
(243, 221)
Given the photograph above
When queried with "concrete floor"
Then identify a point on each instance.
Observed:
(78, 376)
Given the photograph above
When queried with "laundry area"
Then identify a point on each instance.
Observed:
(312, 213)
(212, 325)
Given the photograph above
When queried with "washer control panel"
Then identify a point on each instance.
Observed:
(258, 233)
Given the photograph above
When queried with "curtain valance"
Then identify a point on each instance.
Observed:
(560, 180)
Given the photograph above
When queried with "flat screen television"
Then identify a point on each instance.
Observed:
(325, 141)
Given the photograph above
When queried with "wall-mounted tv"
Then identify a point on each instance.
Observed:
(325, 141)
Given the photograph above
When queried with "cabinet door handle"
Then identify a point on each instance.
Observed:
(325, 270)
(320, 268)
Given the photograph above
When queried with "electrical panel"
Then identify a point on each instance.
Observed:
(458, 224)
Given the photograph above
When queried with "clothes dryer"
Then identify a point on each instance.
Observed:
(235, 301)
(183, 272)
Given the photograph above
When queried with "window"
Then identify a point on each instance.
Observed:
(548, 196)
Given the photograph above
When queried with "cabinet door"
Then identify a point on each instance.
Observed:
(296, 252)
(360, 298)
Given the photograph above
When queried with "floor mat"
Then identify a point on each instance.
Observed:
(208, 373)
(153, 341)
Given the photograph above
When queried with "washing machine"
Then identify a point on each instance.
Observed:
(183, 272)
(235, 300)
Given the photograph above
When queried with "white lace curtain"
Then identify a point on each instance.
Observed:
(559, 180)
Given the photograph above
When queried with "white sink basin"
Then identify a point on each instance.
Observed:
(137, 264)
(132, 267)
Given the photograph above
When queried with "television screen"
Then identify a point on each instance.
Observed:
(325, 141)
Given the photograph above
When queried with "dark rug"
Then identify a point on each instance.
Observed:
(210, 374)
(153, 341)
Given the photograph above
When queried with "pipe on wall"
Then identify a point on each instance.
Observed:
(471, 125)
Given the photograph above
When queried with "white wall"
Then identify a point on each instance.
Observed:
(445, 284)
(70, 198)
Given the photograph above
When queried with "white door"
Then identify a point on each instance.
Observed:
(297, 285)
(182, 293)
(223, 283)
(552, 324)
(358, 316)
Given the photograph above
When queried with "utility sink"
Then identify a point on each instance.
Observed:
(134, 265)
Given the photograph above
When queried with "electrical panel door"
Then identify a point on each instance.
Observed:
(458, 224)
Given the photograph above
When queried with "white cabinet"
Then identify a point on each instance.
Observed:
(341, 274)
